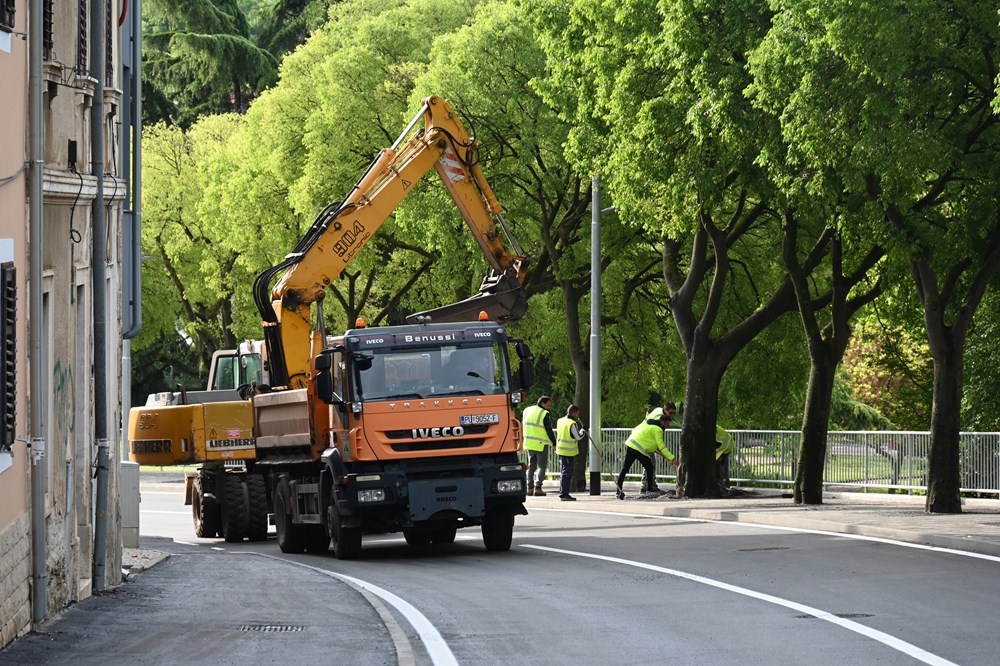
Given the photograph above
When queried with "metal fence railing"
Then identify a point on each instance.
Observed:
(861, 460)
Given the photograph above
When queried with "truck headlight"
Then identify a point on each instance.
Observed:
(371, 495)
(510, 485)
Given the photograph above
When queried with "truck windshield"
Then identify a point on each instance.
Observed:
(417, 372)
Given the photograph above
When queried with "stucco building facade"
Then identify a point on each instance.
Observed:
(47, 556)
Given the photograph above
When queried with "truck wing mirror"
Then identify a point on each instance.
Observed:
(526, 374)
(324, 379)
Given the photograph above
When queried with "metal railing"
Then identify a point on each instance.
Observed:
(862, 460)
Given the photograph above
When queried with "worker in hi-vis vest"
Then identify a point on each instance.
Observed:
(538, 437)
(569, 432)
(670, 411)
(644, 440)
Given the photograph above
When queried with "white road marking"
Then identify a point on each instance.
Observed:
(779, 528)
(891, 641)
(437, 647)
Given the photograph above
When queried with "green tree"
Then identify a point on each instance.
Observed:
(190, 278)
(198, 58)
(659, 103)
(911, 133)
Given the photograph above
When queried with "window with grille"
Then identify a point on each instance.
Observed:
(47, 42)
(7, 15)
(109, 47)
(8, 301)
(81, 37)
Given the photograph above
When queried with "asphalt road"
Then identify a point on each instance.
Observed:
(576, 588)
(598, 588)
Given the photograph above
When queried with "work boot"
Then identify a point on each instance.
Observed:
(539, 492)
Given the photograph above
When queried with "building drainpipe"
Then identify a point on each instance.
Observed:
(39, 478)
(98, 262)
(132, 167)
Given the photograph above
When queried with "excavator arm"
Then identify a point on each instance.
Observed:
(342, 229)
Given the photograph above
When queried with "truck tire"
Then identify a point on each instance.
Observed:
(257, 508)
(416, 536)
(442, 535)
(291, 538)
(498, 530)
(234, 508)
(317, 539)
(207, 519)
(346, 541)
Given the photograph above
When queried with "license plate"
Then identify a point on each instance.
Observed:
(477, 419)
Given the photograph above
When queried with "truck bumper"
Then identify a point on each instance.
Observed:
(452, 491)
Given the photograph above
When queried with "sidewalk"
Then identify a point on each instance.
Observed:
(896, 517)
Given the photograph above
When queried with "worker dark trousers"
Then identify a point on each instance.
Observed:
(647, 483)
(537, 461)
(722, 470)
(565, 474)
(631, 455)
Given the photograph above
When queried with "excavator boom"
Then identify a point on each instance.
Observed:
(340, 232)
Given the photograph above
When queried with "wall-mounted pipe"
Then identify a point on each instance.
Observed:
(98, 261)
(39, 463)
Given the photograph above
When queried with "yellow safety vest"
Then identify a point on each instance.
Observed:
(647, 438)
(565, 444)
(536, 437)
(726, 442)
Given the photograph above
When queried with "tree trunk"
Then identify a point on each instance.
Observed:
(581, 372)
(943, 460)
(696, 472)
(815, 424)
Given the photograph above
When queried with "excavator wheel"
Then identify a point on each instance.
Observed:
(291, 538)
(257, 507)
(207, 519)
(234, 508)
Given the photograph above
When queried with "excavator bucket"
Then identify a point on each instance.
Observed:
(501, 297)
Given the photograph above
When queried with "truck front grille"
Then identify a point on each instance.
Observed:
(437, 445)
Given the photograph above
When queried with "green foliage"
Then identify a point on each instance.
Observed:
(199, 58)
(980, 411)
(888, 368)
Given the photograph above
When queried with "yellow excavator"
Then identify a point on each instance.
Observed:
(352, 433)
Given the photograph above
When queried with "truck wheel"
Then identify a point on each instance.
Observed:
(257, 507)
(317, 539)
(442, 535)
(346, 541)
(416, 536)
(291, 538)
(234, 508)
(207, 519)
(498, 530)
